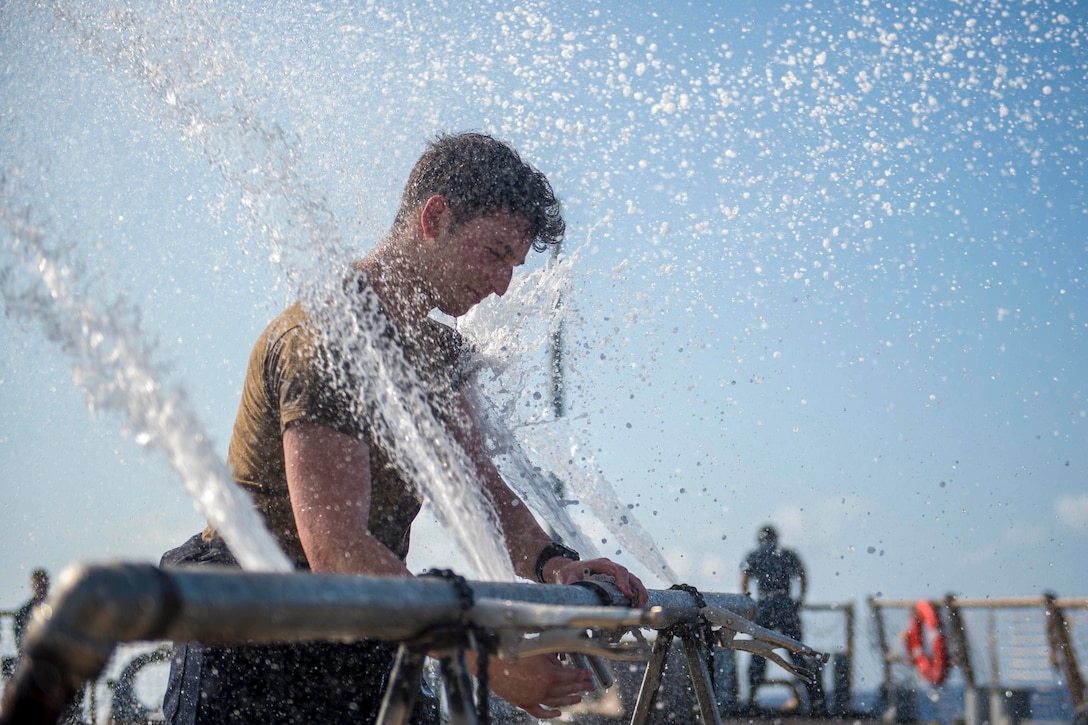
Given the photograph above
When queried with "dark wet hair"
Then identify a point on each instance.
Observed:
(480, 175)
(768, 535)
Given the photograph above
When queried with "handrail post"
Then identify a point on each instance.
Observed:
(403, 687)
(651, 678)
(958, 631)
(694, 651)
(1064, 655)
(882, 640)
(462, 707)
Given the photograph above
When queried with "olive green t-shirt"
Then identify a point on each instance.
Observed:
(288, 380)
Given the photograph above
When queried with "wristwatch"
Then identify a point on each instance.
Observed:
(551, 551)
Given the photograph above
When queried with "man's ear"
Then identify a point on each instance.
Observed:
(431, 216)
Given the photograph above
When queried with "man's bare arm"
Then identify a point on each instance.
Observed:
(328, 477)
(525, 539)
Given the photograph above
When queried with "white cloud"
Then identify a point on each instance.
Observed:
(1072, 512)
(1021, 534)
(824, 522)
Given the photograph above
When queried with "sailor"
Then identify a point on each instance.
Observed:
(39, 588)
(321, 468)
(774, 569)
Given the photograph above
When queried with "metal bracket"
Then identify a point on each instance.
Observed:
(762, 642)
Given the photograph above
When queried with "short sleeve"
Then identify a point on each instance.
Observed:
(301, 379)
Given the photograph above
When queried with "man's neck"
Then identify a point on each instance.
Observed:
(392, 271)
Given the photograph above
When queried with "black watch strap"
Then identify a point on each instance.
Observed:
(551, 551)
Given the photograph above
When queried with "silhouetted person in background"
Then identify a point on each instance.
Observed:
(774, 568)
(39, 586)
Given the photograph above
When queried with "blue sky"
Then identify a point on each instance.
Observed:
(828, 265)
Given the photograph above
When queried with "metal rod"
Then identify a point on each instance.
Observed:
(882, 641)
(958, 635)
(694, 653)
(555, 350)
(651, 678)
(602, 676)
(403, 687)
(97, 607)
(994, 603)
(1063, 654)
(462, 706)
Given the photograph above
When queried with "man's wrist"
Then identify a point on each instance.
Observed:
(553, 550)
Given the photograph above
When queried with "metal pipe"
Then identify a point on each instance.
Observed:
(957, 630)
(1063, 653)
(882, 641)
(990, 602)
(97, 607)
(651, 678)
(695, 655)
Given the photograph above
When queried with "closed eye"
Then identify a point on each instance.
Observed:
(506, 255)
(510, 256)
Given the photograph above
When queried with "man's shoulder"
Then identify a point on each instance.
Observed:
(292, 318)
(439, 333)
(24, 610)
(791, 557)
(290, 336)
(754, 558)
(447, 346)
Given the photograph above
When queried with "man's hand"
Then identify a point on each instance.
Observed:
(538, 685)
(632, 588)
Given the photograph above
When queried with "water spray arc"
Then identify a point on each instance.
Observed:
(114, 367)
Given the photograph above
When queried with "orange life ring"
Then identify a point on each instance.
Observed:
(925, 627)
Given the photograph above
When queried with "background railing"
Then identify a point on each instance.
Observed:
(1030, 653)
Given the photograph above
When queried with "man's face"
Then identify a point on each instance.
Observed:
(477, 258)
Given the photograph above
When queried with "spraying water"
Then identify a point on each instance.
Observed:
(257, 156)
(533, 446)
(114, 367)
(829, 239)
(252, 152)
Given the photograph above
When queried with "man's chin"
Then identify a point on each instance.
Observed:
(456, 310)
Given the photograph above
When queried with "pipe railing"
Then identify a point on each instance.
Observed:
(1060, 644)
(95, 608)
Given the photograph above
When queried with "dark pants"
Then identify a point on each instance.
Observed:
(309, 682)
(780, 614)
